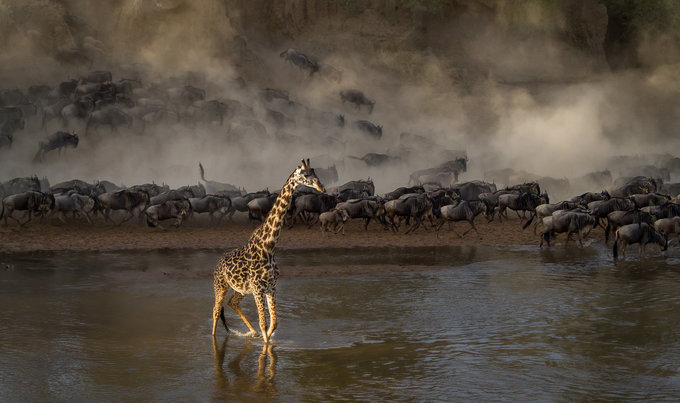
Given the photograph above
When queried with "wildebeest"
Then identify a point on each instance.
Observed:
(570, 222)
(369, 128)
(30, 202)
(402, 190)
(126, 199)
(361, 186)
(211, 204)
(151, 189)
(79, 186)
(170, 209)
(668, 226)
(259, 208)
(462, 211)
(112, 117)
(300, 60)
(77, 110)
(56, 141)
(445, 173)
(523, 201)
(74, 203)
(601, 208)
(547, 209)
(588, 197)
(357, 98)
(240, 203)
(649, 199)
(666, 210)
(642, 234)
(635, 185)
(312, 204)
(362, 208)
(375, 159)
(173, 194)
(20, 185)
(471, 190)
(617, 219)
(333, 220)
(418, 207)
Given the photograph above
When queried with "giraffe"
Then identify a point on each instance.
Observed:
(251, 269)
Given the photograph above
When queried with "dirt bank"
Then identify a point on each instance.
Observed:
(77, 236)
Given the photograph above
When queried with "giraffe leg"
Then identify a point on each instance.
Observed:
(259, 302)
(235, 304)
(271, 302)
(218, 310)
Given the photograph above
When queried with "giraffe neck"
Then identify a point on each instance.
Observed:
(267, 234)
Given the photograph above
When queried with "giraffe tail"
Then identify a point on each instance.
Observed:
(224, 321)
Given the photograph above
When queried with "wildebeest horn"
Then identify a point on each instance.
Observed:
(308, 164)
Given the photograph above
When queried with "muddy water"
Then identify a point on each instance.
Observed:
(469, 323)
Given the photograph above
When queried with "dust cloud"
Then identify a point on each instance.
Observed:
(503, 87)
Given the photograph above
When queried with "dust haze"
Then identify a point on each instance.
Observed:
(504, 89)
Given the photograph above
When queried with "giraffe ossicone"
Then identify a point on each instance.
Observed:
(251, 269)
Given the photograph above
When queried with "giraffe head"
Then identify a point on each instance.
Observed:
(305, 175)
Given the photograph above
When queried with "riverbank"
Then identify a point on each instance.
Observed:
(81, 236)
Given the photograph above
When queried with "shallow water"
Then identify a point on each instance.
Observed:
(478, 323)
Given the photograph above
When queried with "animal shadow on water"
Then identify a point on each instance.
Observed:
(235, 379)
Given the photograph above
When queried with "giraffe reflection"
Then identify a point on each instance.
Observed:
(235, 380)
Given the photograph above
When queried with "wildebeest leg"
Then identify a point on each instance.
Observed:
(62, 217)
(367, 220)
(417, 224)
(130, 216)
(472, 227)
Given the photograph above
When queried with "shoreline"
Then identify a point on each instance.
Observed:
(200, 234)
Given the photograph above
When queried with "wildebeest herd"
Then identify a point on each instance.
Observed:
(641, 210)
(639, 207)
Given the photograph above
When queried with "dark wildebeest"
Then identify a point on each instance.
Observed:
(641, 233)
(569, 222)
(418, 207)
(174, 194)
(170, 209)
(445, 173)
(301, 60)
(369, 128)
(600, 209)
(128, 200)
(668, 226)
(463, 211)
(362, 208)
(375, 159)
(185, 96)
(470, 191)
(27, 201)
(631, 186)
(650, 199)
(270, 94)
(333, 220)
(56, 141)
(312, 204)
(211, 204)
(240, 203)
(524, 201)
(208, 112)
(151, 189)
(112, 117)
(212, 187)
(259, 208)
(357, 98)
(666, 210)
(20, 185)
(79, 186)
(591, 197)
(618, 218)
(400, 191)
(362, 186)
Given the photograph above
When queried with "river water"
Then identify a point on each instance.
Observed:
(449, 324)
